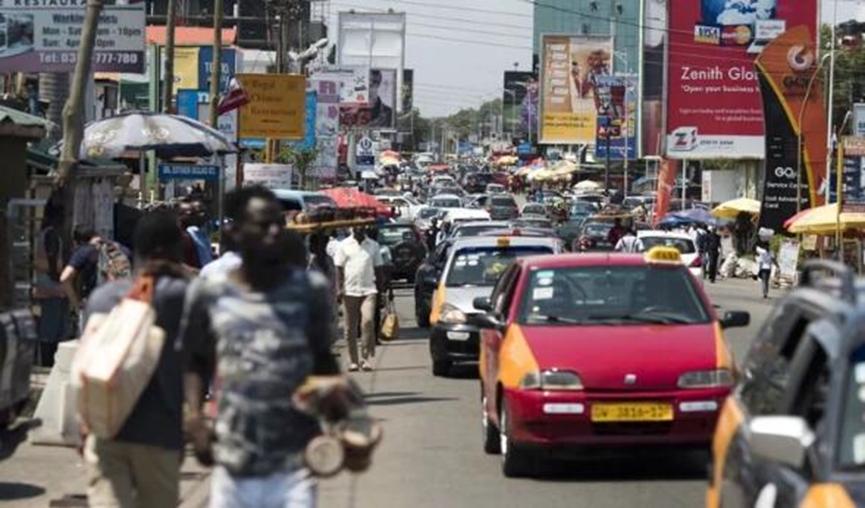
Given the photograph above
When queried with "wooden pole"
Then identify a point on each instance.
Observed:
(73, 116)
(168, 83)
(216, 70)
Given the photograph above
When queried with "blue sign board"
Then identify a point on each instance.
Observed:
(187, 103)
(308, 141)
(188, 172)
(618, 114)
(205, 62)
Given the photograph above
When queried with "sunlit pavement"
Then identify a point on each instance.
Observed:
(431, 454)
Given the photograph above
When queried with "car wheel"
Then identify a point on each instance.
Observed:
(490, 431)
(516, 463)
(441, 368)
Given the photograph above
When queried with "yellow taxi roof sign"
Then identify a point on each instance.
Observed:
(661, 254)
(503, 242)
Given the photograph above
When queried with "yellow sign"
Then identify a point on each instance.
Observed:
(277, 107)
(186, 68)
(570, 68)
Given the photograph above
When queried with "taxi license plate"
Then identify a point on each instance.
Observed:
(632, 412)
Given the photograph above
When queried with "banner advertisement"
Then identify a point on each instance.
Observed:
(714, 108)
(326, 127)
(228, 64)
(788, 259)
(785, 69)
(366, 154)
(516, 85)
(859, 119)
(276, 108)
(853, 176)
(378, 112)
(44, 37)
(654, 47)
(570, 66)
(407, 90)
(666, 185)
(272, 176)
(616, 102)
(185, 68)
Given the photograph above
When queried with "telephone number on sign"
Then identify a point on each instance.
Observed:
(115, 58)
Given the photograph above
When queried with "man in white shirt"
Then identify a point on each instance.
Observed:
(629, 243)
(358, 261)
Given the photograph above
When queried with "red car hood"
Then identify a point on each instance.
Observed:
(602, 355)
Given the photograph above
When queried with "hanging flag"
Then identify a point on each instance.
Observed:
(234, 98)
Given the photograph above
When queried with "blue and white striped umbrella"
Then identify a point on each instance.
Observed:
(128, 134)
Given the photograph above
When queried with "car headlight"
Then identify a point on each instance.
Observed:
(451, 314)
(716, 378)
(551, 379)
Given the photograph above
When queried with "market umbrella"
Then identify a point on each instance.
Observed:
(349, 197)
(824, 220)
(731, 209)
(129, 134)
(695, 215)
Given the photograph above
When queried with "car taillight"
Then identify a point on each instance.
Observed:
(697, 262)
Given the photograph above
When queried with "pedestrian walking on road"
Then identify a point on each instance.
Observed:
(629, 242)
(713, 252)
(48, 292)
(359, 277)
(140, 466)
(765, 261)
(269, 325)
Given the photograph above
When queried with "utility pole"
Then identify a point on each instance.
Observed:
(73, 122)
(216, 64)
(168, 83)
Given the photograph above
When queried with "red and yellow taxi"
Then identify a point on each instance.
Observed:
(600, 350)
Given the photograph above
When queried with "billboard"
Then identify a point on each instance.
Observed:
(516, 88)
(326, 126)
(714, 106)
(785, 69)
(44, 37)
(407, 95)
(277, 106)
(379, 111)
(374, 40)
(570, 66)
(654, 44)
(616, 102)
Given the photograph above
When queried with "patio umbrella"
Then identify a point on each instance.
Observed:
(731, 209)
(129, 134)
(349, 197)
(587, 185)
(824, 220)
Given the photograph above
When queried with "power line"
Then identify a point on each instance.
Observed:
(433, 16)
(460, 8)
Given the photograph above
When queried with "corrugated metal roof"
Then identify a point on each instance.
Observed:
(8, 114)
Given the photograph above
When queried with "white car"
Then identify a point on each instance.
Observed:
(445, 201)
(681, 242)
(459, 215)
(406, 207)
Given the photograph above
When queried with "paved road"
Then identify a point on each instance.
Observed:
(432, 456)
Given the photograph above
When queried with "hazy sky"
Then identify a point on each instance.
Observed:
(459, 48)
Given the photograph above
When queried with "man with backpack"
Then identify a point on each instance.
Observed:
(140, 465)
(94, 261)
(269, 324)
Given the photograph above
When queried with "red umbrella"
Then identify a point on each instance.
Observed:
(349, 197)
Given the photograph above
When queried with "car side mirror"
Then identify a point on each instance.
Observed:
(486, 321)
(782, 439)
(482, 303)
(735, 319)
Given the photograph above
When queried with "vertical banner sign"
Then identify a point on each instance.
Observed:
(859, 119)
(43, 36)
(516, 86)
(666, 185)
(785, 70)
(276, 108)
(714, 105)
(185, 68)
(308, 141)
(326, 128)
(228, 66)
(853, 177)
(654, 48)
(616, 101)
(570, 66)
(407, 90)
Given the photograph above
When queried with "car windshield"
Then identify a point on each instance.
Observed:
(851, 438)
(428, 213)
(617, 295)
(534, 209)
(597, 229)
(481, 266)
(475, 229)
(391, 236)
(582, 207)
(446, 203)
(503, 201)
(313, 200)
(530, 222)
(683, 245)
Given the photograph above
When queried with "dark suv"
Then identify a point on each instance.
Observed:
(793, 433)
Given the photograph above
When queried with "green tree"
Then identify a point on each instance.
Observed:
(302, 161)
(849, 75)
